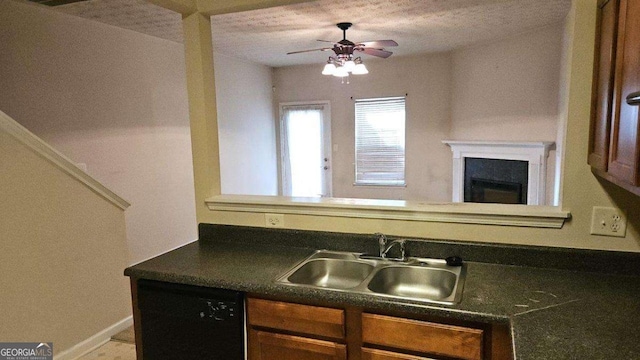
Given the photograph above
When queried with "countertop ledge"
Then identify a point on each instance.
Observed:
(553, 314)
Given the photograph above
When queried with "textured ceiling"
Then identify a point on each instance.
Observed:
(265, 36)
(137, 15)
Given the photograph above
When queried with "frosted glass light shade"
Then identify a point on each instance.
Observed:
(349, 65)
(329, 69)
(360, 69)
(341, 72)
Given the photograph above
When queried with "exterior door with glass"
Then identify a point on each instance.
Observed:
(305, 139)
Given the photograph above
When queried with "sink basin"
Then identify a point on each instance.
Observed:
(414, 282)
(331, 273)
(417, 279)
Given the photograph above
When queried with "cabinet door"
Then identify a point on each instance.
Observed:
(624, 153)
(374, 354)
(270, 346)
(602, 101)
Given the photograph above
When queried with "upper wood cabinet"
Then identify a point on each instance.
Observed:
(602, 100)
(614, 147)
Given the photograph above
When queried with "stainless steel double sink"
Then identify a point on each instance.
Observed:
(416, 279)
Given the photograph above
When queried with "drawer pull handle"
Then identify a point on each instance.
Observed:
(634, 98)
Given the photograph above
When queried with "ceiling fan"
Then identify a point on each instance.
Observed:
(344, 62)
(346, 47)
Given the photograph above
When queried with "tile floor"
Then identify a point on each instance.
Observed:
(112, 350)
(121, 347)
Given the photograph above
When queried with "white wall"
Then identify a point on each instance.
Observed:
(113, 99)
(427, 81)
(63, 252)
(510, 90)
(246, 127)
(474, 93)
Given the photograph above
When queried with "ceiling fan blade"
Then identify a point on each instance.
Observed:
(328, 41)
(376, 52)
(378, 43)
(304, 51)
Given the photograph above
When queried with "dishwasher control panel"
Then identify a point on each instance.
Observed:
(219, 310)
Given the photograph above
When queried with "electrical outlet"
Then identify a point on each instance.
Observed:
(274, 220)
(608, 221)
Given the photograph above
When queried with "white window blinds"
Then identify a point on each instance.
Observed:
(380, 133)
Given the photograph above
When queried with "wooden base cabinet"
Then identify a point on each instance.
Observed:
(375, 354)
(286, 331)
(423, 337)
(281, 331)
(273, 346)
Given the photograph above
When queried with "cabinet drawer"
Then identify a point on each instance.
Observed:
(421, 336)
(373, 354)
(305, 319)
(270, 346)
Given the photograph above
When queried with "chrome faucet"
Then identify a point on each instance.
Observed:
(384, 249)
(382, 242)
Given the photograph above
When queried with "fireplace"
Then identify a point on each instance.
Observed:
(493, 191)
(495, 181)
(500, 171)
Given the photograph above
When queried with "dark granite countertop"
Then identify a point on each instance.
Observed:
(553, 314)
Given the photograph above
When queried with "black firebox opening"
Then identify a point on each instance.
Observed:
(493, 191)
(496, 181)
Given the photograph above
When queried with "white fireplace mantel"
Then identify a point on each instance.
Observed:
(535, 153)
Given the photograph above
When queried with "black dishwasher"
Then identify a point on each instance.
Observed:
(182, 322)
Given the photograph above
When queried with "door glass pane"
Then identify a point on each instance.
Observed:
(304, 137)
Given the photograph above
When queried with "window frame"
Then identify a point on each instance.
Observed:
(380, 182)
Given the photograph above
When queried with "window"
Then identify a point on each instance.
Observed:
(380, 131)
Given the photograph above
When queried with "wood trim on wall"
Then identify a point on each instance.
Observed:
(44, 150)
(463, 213)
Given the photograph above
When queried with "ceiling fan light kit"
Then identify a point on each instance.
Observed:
(349, 65)
(329, 69)
(360, 69)
(344, 62)
(343, 67)
(340, 71)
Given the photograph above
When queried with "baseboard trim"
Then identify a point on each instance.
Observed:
(95, 341)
